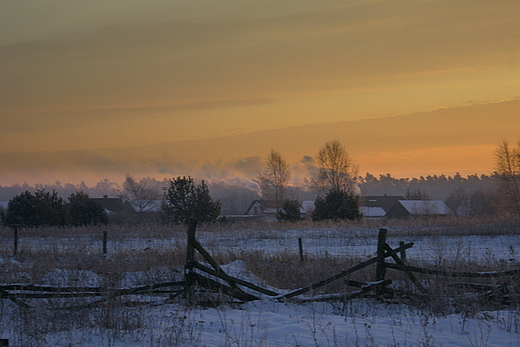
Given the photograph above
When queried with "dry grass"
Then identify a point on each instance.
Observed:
(46, 251)
(43, 251)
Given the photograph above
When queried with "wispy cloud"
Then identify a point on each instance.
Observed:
(454, 139)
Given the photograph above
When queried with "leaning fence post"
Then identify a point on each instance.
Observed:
(380, 265)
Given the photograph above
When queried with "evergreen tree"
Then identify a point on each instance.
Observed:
(186, 200)
(81, 210)
(290, 211)
(337, 205)
(38, 209)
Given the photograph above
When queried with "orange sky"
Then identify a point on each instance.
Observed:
(88, 76)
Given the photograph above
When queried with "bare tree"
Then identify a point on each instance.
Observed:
(142, 194)
(508, 168)
(336, 171)
(274, 180)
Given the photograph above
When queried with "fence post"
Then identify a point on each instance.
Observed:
(403, 252)
(15, 236)
(105, 235)
(190, 258)
(300, 246)
(380, 265)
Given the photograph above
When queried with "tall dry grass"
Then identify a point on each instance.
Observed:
(44, 253)
(45, 250)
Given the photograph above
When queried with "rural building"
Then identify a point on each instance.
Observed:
(118, 211)
(372, 212)
(308, 206)
(267, 209)
(386, 202)
(419, 208)
(377, 207)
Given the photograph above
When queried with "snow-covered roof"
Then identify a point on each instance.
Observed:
(425, 207)
(308, 205)
(372, 211)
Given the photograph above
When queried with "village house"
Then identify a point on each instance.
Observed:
(268, 209)
(419, 208)
(118, 211)
(377, 207)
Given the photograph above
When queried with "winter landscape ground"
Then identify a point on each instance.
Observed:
(268, 255)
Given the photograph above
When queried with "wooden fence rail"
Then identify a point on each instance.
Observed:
(453, 273)
(214, 279)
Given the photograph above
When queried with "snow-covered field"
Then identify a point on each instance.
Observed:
(269, 323)
(266, 322)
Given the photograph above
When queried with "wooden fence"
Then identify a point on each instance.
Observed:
(214, 279)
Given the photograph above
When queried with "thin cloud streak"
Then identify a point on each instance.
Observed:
(444, 141)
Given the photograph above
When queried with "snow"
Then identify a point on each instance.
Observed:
(270, 323)
(265, 322)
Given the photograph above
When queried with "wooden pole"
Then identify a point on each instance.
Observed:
(190, 249)
(300, 246)
(380, 265)
(15, 236)
(403, 252)
(189, 274)
(105, 236)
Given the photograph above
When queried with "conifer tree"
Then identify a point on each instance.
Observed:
(186, 200)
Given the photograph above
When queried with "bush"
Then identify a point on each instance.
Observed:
(337, 205)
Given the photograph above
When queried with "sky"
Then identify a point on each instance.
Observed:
(84, 84)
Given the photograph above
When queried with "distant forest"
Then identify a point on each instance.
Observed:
(235, 199)
(436, 187)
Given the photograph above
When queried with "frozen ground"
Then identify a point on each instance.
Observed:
(268, 323)
(361, 322)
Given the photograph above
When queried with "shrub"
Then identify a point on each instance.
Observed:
(337, 205)
(186, 200)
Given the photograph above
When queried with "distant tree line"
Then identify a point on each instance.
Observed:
(333, 180)
(437, 187)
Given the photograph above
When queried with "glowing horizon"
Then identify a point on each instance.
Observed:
(92, 76)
